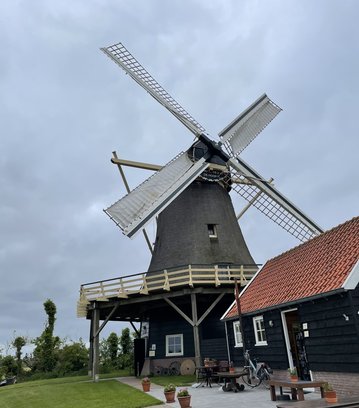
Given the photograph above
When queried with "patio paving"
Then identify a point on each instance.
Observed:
(206, 397)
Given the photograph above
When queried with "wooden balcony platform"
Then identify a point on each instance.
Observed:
(150, 283)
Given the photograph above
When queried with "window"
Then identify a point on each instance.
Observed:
(259, 331)
(174, 345)
(212, 230)
(237, 334)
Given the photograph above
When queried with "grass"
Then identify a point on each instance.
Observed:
(76, 392)
(177, 380)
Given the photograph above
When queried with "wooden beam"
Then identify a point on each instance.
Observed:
(135, 329)
(106, 320)
(178, 310)
(90, 363)
(252, 201)
(139, 165)
(163, 296)
(128, 191)
(197, 346)
(205, 314)
(96, 345)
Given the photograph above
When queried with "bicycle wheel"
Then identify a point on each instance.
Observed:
(265, 379)
(252, 380)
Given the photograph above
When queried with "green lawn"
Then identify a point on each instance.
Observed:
(73, 392)
(177, 380)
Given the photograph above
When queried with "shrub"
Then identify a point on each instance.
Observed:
(169, 388)
(183, 392)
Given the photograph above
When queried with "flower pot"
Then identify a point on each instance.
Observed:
(294, 378)
(170, 396)
(185, 401)
(146, 386)
(330, 396)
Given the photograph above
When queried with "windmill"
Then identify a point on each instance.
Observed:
(206, 158)
(198, 240)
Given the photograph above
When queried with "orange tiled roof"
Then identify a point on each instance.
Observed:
(318, 266)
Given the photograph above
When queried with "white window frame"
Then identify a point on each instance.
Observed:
(168, 354)
(259, 340)
(236, 332)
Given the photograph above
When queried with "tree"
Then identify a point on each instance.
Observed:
(113, 346)
(73, 357)
(109, 351)
(47, 344)
(126, 344)
(19, 342)
(8, 366)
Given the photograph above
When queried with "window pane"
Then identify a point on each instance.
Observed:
(174, 344)
(259, 329)
(237, 333)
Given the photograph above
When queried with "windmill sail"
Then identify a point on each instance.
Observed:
(247, 126)
(122, 57)
(136, 209)
(272, 203)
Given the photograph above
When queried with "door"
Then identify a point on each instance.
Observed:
(139, 355)
(295, 343)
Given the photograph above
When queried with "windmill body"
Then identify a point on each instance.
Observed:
(199, 228)
(199, 251)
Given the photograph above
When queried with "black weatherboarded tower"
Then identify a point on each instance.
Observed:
(199, 250)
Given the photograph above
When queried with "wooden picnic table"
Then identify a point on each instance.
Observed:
(296, 388)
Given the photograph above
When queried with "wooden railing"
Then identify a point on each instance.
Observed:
(166, 280)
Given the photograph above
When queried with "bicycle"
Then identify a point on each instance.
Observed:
(255, 373)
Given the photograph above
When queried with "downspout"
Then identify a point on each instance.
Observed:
(227, 342)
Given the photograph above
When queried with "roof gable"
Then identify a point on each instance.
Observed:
(323, 264)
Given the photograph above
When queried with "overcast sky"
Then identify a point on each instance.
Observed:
(64, 107)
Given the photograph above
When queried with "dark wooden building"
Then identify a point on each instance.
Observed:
(302, 310)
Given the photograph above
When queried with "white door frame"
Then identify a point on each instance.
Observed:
(286, 335)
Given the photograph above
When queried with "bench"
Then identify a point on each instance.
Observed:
(352, 402)
(296, 388)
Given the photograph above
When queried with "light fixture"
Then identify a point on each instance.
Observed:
(271, 324)
(346, 317)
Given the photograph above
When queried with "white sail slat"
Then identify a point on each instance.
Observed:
(247, 126)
